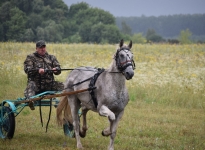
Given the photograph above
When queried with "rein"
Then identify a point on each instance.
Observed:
(47, 70)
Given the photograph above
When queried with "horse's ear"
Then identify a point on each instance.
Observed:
(121, 43)
(130, 45)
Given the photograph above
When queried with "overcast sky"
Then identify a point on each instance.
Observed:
(127, 8)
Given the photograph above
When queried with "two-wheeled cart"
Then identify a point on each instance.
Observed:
(9, 109)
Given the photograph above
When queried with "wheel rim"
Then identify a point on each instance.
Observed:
(68, 130)
(4, 127)
(7, 123)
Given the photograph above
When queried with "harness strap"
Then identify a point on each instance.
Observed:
(92, 84)
(92, 79)
(81, 82)
(40, 111)
(49, 114)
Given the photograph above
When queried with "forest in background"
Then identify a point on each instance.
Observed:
(167, 26)
(54, 21)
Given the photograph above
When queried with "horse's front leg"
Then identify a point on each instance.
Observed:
(113, 129)
(84, 126)
(104, 111)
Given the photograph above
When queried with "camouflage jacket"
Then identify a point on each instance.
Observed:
(34, 62)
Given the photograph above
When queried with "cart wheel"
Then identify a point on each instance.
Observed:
(68, 130)
(7, 123)
(68, 127)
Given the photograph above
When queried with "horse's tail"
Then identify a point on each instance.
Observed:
(63, 106)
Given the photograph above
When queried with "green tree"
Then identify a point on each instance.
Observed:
(34, 21)
(23, 5)
(53, 31)
(40, 33)
(92, 24)
(152, 36)
(1, 32)
(4, 17)
(75, 8)
(57, 14)
(75, 38)
(96, 32)
(70, 28)
(167, 26)
(126, 29)
(184, 37)
(111, 34)
(37, 6)
(85, 30)
(28, 35)
(101, 33)
(138, 38)
(54, 21)
(17, 25)
(95, 16)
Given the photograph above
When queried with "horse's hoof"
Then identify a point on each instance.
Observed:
(112, 117)
(82, 135)
(111, 148)
(105, 134)
(80, 147)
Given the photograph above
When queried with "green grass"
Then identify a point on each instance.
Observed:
(167, 101)
(143, 126)
(179, 97)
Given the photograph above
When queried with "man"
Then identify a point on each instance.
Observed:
(40, 67)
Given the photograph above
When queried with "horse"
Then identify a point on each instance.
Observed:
(108, 99)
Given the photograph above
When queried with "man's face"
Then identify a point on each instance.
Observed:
(41, 50)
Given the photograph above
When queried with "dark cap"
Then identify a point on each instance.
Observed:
(40, 43)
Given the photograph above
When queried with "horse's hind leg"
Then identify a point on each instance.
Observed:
(84, 126)
(75, 106)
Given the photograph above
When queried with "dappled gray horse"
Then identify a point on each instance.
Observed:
(108, 99)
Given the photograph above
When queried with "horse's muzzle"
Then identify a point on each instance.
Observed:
(128, 73)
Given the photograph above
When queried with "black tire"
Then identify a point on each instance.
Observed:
(7, 126)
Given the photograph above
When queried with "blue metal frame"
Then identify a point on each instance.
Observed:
(17, 108)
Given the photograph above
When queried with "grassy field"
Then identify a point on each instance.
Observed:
(167, 98)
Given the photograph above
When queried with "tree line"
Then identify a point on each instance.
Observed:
(54, 21)
(168, 27)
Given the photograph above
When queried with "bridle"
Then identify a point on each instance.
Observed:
(121, 66)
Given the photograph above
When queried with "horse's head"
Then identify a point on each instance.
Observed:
(124, 60)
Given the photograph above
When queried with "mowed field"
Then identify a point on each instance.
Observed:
(167, 98)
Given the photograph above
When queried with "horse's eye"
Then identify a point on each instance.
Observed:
(121, 55)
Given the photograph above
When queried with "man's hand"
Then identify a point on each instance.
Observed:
(54, 70)
(41, 71)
